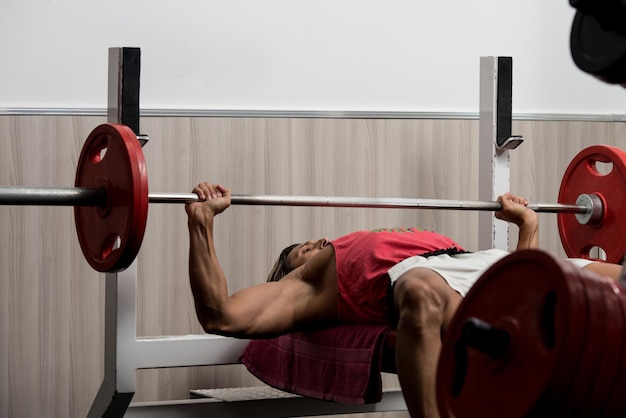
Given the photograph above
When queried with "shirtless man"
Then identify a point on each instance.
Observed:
(419, 294)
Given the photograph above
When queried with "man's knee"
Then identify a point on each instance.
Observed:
(420, 298)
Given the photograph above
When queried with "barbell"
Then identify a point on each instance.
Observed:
(535, 337)
(110, 199)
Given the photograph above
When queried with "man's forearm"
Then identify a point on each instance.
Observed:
(528, 236)
(207, 280)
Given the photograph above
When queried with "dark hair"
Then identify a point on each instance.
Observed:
(281, 268)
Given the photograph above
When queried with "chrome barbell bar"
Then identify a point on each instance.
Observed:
(86, 196)
(366, 202)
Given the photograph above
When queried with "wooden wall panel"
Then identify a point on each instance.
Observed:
(51, 303)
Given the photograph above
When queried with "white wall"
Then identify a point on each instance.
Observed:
(369, 55)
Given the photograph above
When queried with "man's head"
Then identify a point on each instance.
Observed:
(281, 267)
(295, 256)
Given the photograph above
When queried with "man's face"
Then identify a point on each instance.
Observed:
(305, 251)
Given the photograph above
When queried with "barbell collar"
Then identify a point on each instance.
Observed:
(595, 214)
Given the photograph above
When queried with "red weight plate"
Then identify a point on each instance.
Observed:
(110, 236)
(528, 295)
(583, 177)
(616, 403)
(595, 350)
(573, 337)
(611, 353)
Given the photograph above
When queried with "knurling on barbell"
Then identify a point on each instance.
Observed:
(111, 200)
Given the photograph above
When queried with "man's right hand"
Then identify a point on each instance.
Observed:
(215, 198)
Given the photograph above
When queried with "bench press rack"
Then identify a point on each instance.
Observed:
(125, 352)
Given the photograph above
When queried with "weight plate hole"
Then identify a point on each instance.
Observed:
(603, 168)
(597, 252)
(118, 243)
(111, 243)
(98, 150)
(548, 321)
(103, 152)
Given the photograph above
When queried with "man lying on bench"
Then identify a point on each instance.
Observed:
(409, 277)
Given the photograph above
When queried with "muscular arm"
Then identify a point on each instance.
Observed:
(528, 236)
(207, 280)
(514, 210)
(262, 310)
